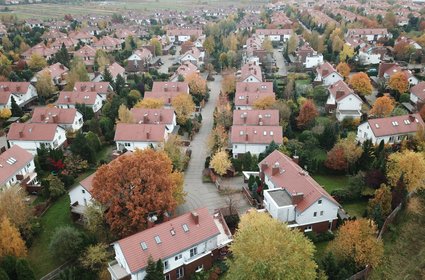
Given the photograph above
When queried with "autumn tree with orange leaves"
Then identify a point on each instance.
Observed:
(264, 103)
(132, 189)
(343, 69)
(11, 242)
(308, 113)
(150, 103)
(361, 84)
(197, 85)
(356, 240)
(382, 107)
(336, 159)
(399, 82)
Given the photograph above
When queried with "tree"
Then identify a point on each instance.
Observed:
(308, 113)
(16, 110)
(11, 242)
(408, 165)
(78, 73)
(382, 199)
(62, 56)
(267, 45)
(154, 271)
(95, 257)
(107, 76)
(94, 220)
(356, 239)
(44, 85)
(335, 159)
(5, 65)
(352, 151)
(223, 116)
(228, 84)
(132, 189)
(173, 147)
(284, 113)
(346, 53)
(56, 188)
(360, 82)
(133, 97)
(197, 85)
(36, 62)
(23, 270)
(66, 243)
(209, 45)
(157, 46)
(265, 248)
(399, 82)
(101, 61)
(150, 103)
(184, 107)
(124, 115)
(81, 147)
(390, 20)
(292, 43)
(382, 107)
(119, 84)
(263, 103)
(93, 141)
(5, 113)
(343, 69)
(218, 139)
(220, 162)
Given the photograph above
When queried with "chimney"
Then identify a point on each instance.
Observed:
(93, 88)
(325, 72)
(55, 118)
(260, 119)
(247, 99)
(169, 100)
(165, 88)
(83, 87)
(195, 217)
(61, 66)
(275, 169)
(297, 197)
(160, 117)
(145, 118)
(18, 89)
(246, 136)
(412, 118)
(263, 166)
(339, 93)
(296, 159)
(6, 88)
(148, 134)
(21, 134)
(42, 117)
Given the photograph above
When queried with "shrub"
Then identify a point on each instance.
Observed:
(66, 243)
(343, 195)
(405, 97)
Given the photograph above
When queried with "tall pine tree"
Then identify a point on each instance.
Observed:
(16, 110)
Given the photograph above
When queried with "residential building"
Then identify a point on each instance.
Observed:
(139, 61)
(58, 72)
(274, 35)
(185, 69)
(104, 89)
(22, 92)
(108, 44)
(327, 75)
(194, 55)
(186, 244)
(166, 117)
(31, 136)
(251, 72)
(386, 70)
(17, 166)
(343, 102)
(256, 117)
(69, 99)
(369, 34)
(167, 91)
(81, 197)
(182, 35)
(308, 58)
(87, 55)
(294, 197)
(417, 95)
(69, 119)
(390, 130)
(40, 49)
(247, 93)
(253, 138)
(131, 136)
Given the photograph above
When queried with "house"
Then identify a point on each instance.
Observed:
(343, 101)
(386, 70)
(368, 55)
(31, 136)
(22, 92)
(251, 72)
(16, 166)
(256, 117)
(307, 57)
(390, 130)
(69, 99)
(81, 197)
(247, 93)
(108, 44)
(69, 119)
(131, 136)
(167, 91)
(369, 34)
(67, 42)
(39, 49)
(194, 55)
(114, 69)
(186, 244)
(417, 95)
(274, 35)
(327, 75)
(253, 138)
(185, 69)
(166, 117)
(58, 72)
(87, 55)
(182, 35)
(294, 197)
(104, 89)
(139, 61)
(81, 36)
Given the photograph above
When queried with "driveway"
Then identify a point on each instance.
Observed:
(280, 62)
(168, 60)
(201, 194)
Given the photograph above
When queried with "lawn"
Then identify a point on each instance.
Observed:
(331, 183)
(404, 245)
(355, 208)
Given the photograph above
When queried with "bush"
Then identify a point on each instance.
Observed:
(405, 97)
(344, 195)
(207, 162)
(66, 243)
(320, 237)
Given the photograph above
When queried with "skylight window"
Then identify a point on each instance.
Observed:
(173, 232)
(185, 228)
(144, 246)
(157, 239)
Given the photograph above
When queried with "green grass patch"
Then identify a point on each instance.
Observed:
(303, 82)
(320, 249)
(331, 183)
(105, 154)
(355, 208)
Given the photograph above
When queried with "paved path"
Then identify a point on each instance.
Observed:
(168, 60)
(201, 194)
(280, 62)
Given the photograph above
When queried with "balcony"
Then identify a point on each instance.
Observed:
(117, 272)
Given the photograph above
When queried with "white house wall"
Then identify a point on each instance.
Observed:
(330, 212)
(254, 149)
(80, 195)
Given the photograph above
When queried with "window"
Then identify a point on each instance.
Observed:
(185, 228)
(193, 252)
(83, 191)
(319, 202)
(178, 257)
(144, 246)
(167, 277)
(199, 268)
(308, 228)
(179, 272)
(321, 213)
(166, 266)
(314, 214)
(127, 144)
(157, 239)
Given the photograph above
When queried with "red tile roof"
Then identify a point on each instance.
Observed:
(170, 86)
(419, 90)
(166, 97)
(74, 97)
(99, 87)
(263, 87)
(367, 31)
(108, 42)
(137, 258)
(11, 161)
(396, 125)
(255, 117)
(256, 134)
(184, 32)
(85, 51)
(32, 131)
(248, 98)
(152, 116)
(55, 70)
(273, 31)
(14, 87)
(340, 90)
(139, 132)
(294, 179)
(325, 69)
(53, 115)
(87, 182)
(115, 69)
(249, 69)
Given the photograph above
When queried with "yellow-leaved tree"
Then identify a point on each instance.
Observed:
(11, 242)
(263, 103)
(399, 82)
(183, 106)
(265, 248)
(150, 103)
(343, 69)
(356, 240)
(220, 162)
(382, 107)
(5, 113)
(124, 115)
(346, 53)
(408, 166)
(361, 84)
